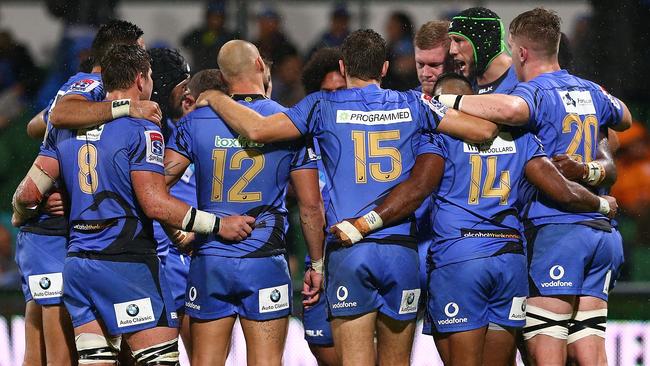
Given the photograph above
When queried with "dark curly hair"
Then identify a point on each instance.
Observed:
(320, 64)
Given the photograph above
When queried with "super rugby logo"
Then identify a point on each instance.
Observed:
(155, 147)
(374, 117)
(556, 273)
(239, 142)
(342, 295)
(451, 310)
(84, 85)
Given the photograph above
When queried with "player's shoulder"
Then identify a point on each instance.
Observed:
(200, 113)
(268, 106)
(131, 123)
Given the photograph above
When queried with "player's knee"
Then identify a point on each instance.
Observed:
(544, 322)
(95, 348)
(587, 323)
(162, 354)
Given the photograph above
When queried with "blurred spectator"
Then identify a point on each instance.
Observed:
(565, 54)
(287, 84)
(205, 41)
(399, 35)
(89, 12)
(271, 41)
(9, 276)
(632, 188)
(19, 77)
(338, 30)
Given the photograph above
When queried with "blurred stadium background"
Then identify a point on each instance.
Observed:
(43, 42)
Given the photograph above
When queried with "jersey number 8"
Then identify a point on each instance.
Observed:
(87, 160)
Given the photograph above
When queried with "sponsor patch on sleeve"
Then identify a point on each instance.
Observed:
(155, 147)
(83, 86)
(435, 106)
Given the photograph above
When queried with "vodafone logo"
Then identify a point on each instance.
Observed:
(451, 309)
(342, 293)
(192, 293)
(556, 272)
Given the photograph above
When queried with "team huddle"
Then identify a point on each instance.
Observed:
(476, 202)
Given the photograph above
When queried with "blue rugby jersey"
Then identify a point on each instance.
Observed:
(475, 213)
(369, 139)
(235, 176)
(566, 113)
(89, 86)
(95, 166)
(503, 84)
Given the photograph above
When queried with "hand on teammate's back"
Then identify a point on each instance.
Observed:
(613, 206)
(236, 228)
(311, 287)
(54, 204)
(183, 240)
(146, 109)
(340, 236)
(570, 169)
(204, 98)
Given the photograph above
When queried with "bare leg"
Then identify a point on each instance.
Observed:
(544, 349)
(59, 336)
(464, 348)
(394, 340)
(325, 355)
(589, 350)
(265, 340)
(34, 342)
(354, 339)
(94, 327)
(499, 348)
(211, 341)
(185, 335)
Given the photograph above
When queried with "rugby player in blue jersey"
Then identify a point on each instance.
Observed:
(320, 73)
(171, 75)
(477, 264)
(42, 241)
(235, 175)
(479, 50)
(113, 174)
(369, 139)
(575, 259)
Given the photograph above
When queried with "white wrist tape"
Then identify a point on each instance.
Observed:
(604, 206)
(41, 179)
(374, 220)
(349, 230)
(595, 173)
(198, 221)
(22, 211)
(317, 265)
(451, 100)
(120, 108)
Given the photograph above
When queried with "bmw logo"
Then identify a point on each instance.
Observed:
(45, 283)
(132, 310)
(275, 295)
(523, 305)
(410, 298)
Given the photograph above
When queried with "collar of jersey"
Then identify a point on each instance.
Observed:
(248, 97)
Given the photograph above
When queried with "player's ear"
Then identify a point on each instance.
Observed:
(342, 68)
(522, 53)
(139, 81)
(188, 103)
(384, 69)
(259, 64)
